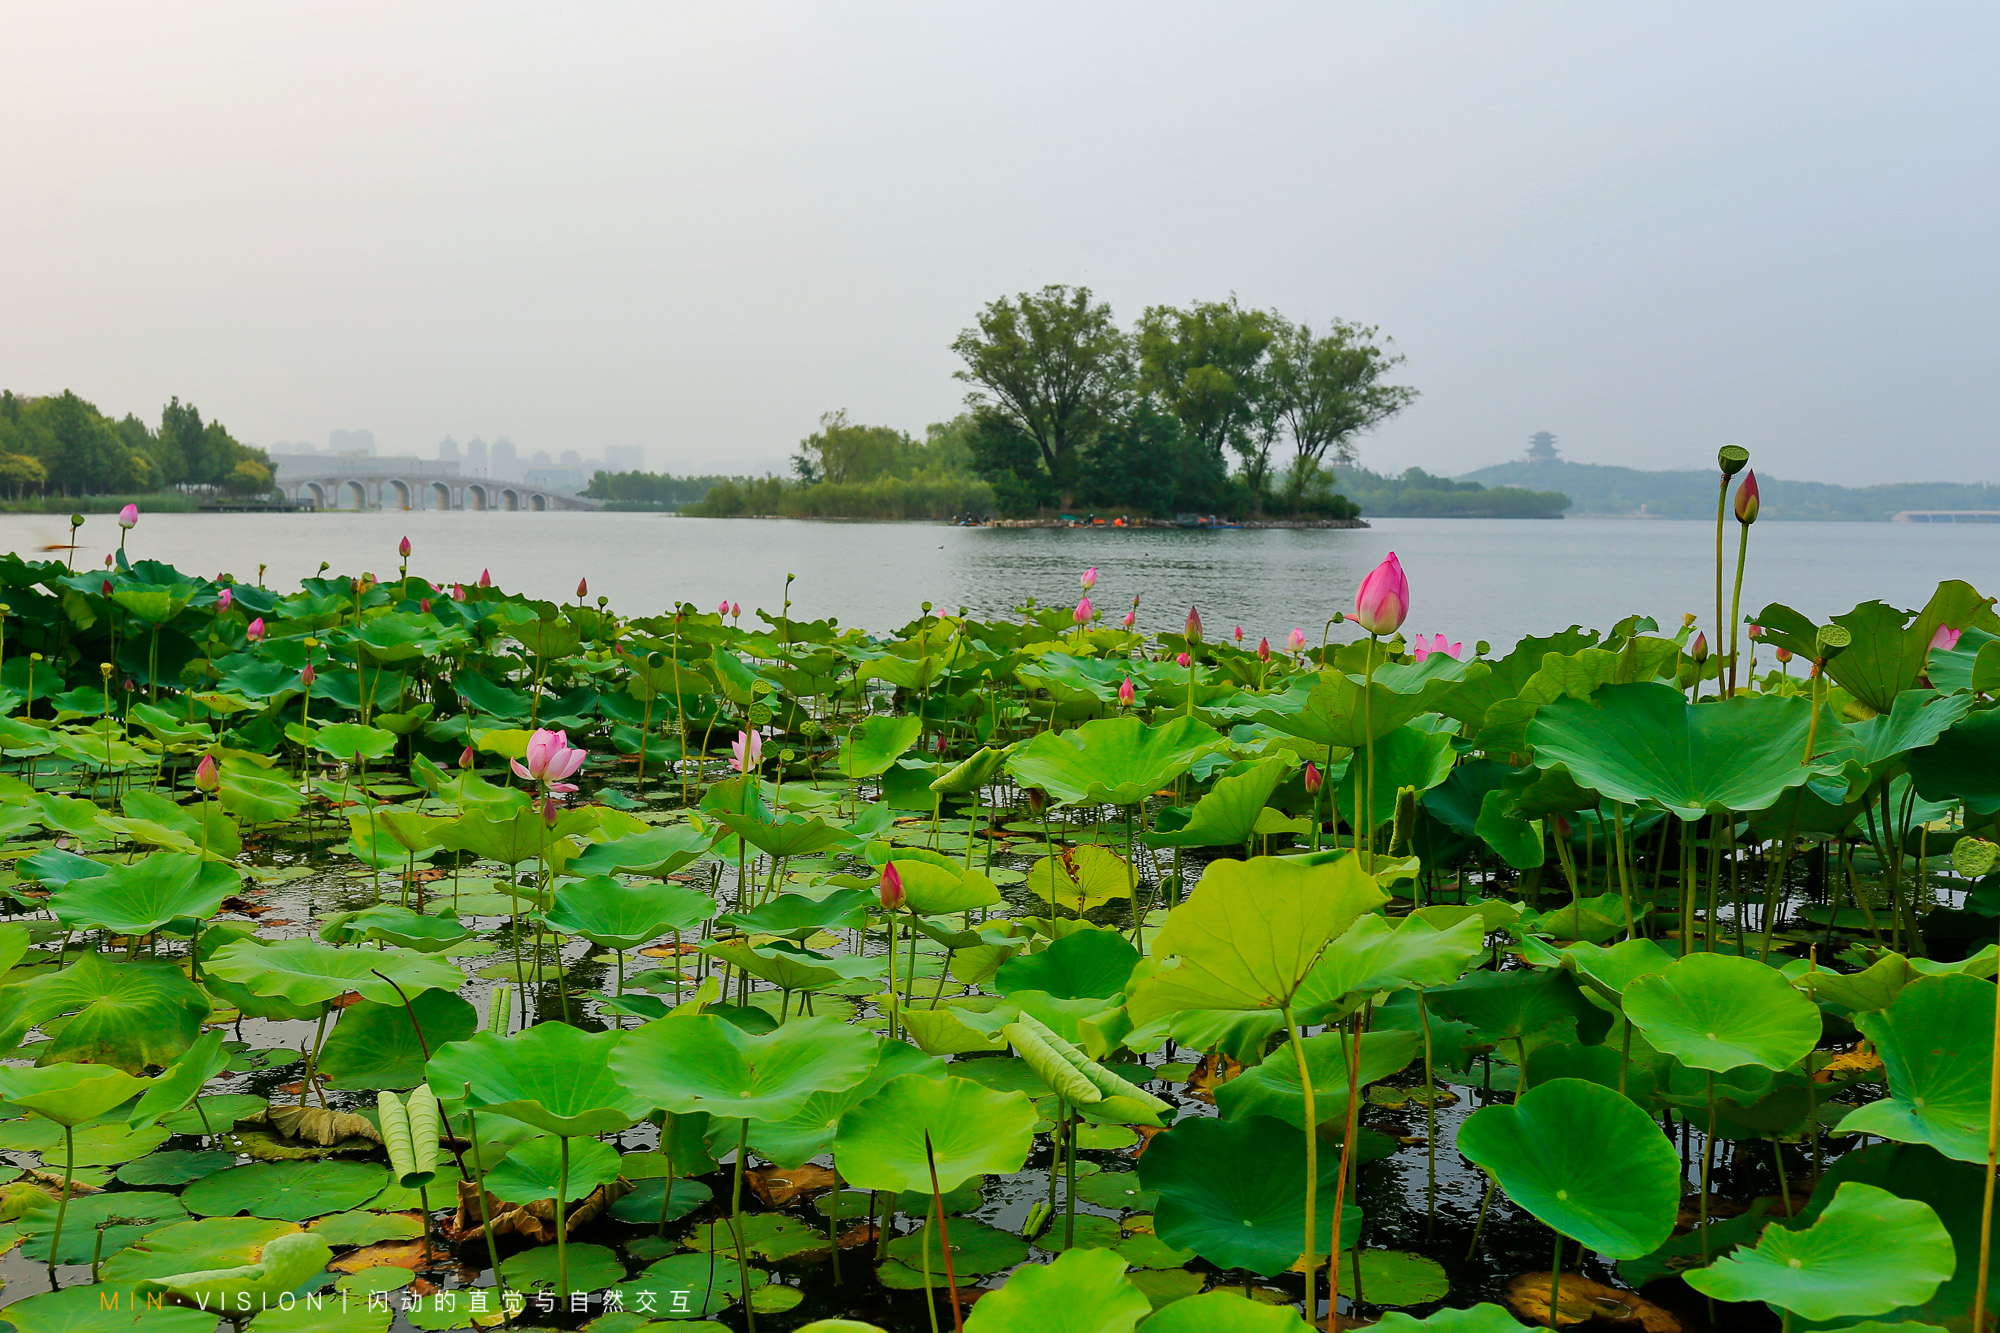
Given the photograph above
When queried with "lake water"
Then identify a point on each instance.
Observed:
(1470, 579)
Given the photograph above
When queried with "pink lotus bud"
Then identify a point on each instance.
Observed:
(736, 610)
(223, 599)
(403, 548)
(466, 757)
(107, 559)
(1562, 828)
(1746, 499)
(1183, 659)
(206, 778)
(1784, 654)
(1313, 779)
(128, 517)
(1126, 693)
(891, 886)
(1193, 627)
(1755, 631)
(106, 589)
(424, 605)
(1130, 617)
(582, 589)
(1700, 650)
(1239, 636)
(1038, 801)
(485, 578)
(1263, 650)
(1295, 642)
(549, 808)
(256, 631)
(1945, 638)
(307, 675)
(1383, 599)
(1084, 610)
(458, 592)
(723, 610)
(1089, 578)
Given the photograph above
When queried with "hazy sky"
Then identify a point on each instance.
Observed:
(1650, 229)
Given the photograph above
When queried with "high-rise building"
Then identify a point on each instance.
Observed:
(475, 456)
(571, 458)
(506, 459)
(624, 457)
(352, 442)
(540, 458)
(447, 448)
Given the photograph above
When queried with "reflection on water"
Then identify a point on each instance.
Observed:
(1474, 579)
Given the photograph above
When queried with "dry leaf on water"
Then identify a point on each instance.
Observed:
(534, 1222)
(1582, 1300)
(778, 1188)
(316, 1124)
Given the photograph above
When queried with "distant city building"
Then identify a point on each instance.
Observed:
(506, 461)
(540, 458)
(1542, 448)
(447, 448)
(556, 478)
(360, 442)
(571, 458)
(475, 456)
(624, 457)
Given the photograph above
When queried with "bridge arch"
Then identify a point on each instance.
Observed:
(352, 495)
(314, 491)
(440, 495)
(476, 498)
(538, 502)
(510, 499)
(405, 497)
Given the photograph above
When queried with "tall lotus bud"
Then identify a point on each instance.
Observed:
(485, 578)
(723, 609)
(1700, 650)
(1126, 693)
(403, 548)
(1128, 619)
(1746, 500)
(307, 675)
(206, 778)
(458, 592)
(891, 886)
(1239, 636)
(466, 757)
(549, 808)
(256, 631)
(1084, 611)
(582, 589)
(107, 559)
(1755, 630)
(1183, 660)
(222, 601)
(1089, 579)
(1193, 628)
(1732, 459)
(128, 517)
(424, 605)
(1313, 779)
(1038, 801)
(1784, 654)
(1383, 599)
(1263, 650)
(736, 610)
(1295, 642)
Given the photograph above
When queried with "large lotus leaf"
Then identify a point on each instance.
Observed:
(1516, 839)
(1721, 1012)
(1936, 1043)
(283, 1264)
(698, 1062)
(1112, 760)
(1583, 1160)
(1506, 676)
(785, 836)
(707, 1286)
(1376, 954)
(809, 1131)
(931, 889)
(1084, 964)
(1572, 676)
(1406, 757)
(1083, 1291)
(972, 1131)
(125, 1014)
(791, 968)
(1336, 708)
(1610, 969)
(1273, 1088)
(658, 852)
(211, 1243)
(122, 1215)
(875, 743)
(1233, 1191)
(255, 795)
(1646, 742)
(68, 1094)
(303, 972)
(87, 1308)
(1082, 878)
(972, 773)
(799, 915)
(1227, 815)
(520, 836)
(292, 1191)
(391, 923)
(1249, 933)
(376, 1045)
(1481, 1318)
(207, 830)
(1888, 653)
(182, 1081)
(1226, 1311)
(625, 916)
(552, 1076)
(1521, 1003)
(1918, 718)
(347, 740)
(1868, 1253)
(536, 1168)
(1962, 765)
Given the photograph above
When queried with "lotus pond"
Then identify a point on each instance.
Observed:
(382, 952)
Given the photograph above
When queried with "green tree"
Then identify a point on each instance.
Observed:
(1328, 388)
(1206, 364)
(18, 472)
(1053, 364)
(179, 439)
(248, 477)
(841, 451)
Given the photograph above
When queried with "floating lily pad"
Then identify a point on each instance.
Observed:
(591, 1268)
(174, 1168)
(294, 1191)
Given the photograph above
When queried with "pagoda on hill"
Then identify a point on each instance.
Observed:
(1542, 448)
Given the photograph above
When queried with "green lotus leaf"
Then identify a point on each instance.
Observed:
(1518, 1004)
(785, 836)
(535, 1169)
(182, 1081)
(303, 972)
(552, 1076)
(791, 969)
(87, 1308)
(709, 1286)
(514, 838)
(1481, 1318)
(125, 1014)
(1375, 954)
(799, 915)
(376, 1045)
(1083, 1291)
(1516, 839)
(291, 1191)
(1583, 1160)
(880, 1143)
(192, 1246)
(873, 744)
(1409, 756)
(139, 898)
(1887, 652)
(123, 1215)
(930, 889)
(1867, 1254)
(972, 773)
(1918, 718)
(1394, 1277)
(591, 1267)
(1250, 933)
(68, 1094)
(400, 926)
(1646, 742)
(1720, 1012)
(809, 1131)
(1273, 1089)
(1936, 1043)
(345, 740)
(1227, 815)
(1335, 708)
(698, 1062)
(1611, 969)
(1084, 964)
(1233, 1191)
(1111, 761)
(256, 795)
(1959, 765)
(283, 1264)
(613, 915)
(1082, 878)
(1225, 1311)
(177, 1167)
(658, 852)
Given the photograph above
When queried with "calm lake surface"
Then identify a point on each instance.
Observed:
(1470, 579)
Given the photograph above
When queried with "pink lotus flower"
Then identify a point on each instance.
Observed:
(485, 578)
(1183, 660)
(746, 752)
(736, 610)
(466, 757)
(1946, 638)
(1313, 780)
(1129, 618)
(550, 759)
(1192, 630)
(723, 609)
(1089, 578)
(1126, 693)
(891, 886)
(582, 589)
(1239, 636)
(1420, 650)
(256, 631)
(1746, 499)
(1383, 599)
(222, 600)
(458, 592)
(1295, 642)
(403, 548)
(128, 517)
(307, 675)
(1084, 611)
(206, 778)
(1263, 650)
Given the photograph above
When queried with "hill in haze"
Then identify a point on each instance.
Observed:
(1598, 490)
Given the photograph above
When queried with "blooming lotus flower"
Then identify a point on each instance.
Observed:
(550, 759)
(206, 778)
(746, 752)
(1313, 779)
(1420, 650)
(1383, 599)
(1126, 693)
(403, 548)
(1089, 579)
(256, 631)
(1945, 638)
(1746, 499)
(1084, 611)
(128, 517)
(1263, 650)
(466, 757)
(223, 599)
(485, 578)
(582, 589)
(1192, 629)
(891, 886)
(1295, 642)
(1183, 660)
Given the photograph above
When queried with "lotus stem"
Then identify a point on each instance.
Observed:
(1992, 1162)
(1736, 608)
(62, 1204)
(1555, 1285)
(944, 1237)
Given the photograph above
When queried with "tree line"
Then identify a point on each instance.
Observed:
(61, 444)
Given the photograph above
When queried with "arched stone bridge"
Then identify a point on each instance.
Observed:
(414, 490)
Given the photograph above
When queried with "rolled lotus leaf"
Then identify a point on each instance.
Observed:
(422, 1108)
(396, 1134)
(1070, 1072)
(284, 1263)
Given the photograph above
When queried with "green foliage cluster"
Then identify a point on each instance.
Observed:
(650, 490)
(1418, 494)
(64, 445)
